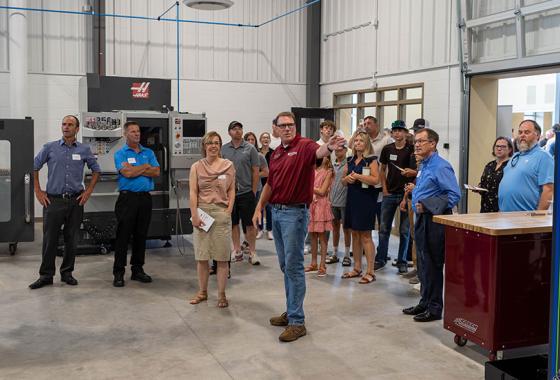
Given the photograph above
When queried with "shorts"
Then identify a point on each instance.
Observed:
(243, 209)
(338, 213)
(214, 244)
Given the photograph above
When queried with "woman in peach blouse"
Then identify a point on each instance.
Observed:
(212, 189)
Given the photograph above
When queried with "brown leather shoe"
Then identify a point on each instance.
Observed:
(292, 332)
(280, 321)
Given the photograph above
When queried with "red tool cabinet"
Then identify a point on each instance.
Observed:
(497, 279)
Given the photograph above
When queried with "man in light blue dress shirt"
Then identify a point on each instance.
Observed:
(436, 192)
(64, 199)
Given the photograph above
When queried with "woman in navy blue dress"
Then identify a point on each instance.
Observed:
(361, 175)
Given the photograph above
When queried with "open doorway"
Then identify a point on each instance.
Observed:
(498, 103)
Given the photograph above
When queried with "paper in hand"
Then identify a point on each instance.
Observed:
(398, 167)
(474, 188)
(206, 219)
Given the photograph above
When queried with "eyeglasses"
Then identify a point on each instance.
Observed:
(212, 143)
(283, 126)
(422, 141)
(500, 146)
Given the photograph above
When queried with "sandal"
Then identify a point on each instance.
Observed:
(346, 262)
(354, 273)
(322, 272)
(200, 296)
(222, 301)
(331, 259)
(367, 278)
(311, 268)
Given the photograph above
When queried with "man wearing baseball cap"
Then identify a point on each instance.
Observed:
(419, 124)
(245, 159)
(397, 164)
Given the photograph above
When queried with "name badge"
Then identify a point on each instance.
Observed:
(76, 157)
(131, 160)
(222, 176)
(393, 157)
(292, 153)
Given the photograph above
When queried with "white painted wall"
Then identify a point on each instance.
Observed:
(274, 53)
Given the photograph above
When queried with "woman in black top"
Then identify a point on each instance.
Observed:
(267, 151)
(493, 173)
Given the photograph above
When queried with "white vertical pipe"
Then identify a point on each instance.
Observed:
(18, 59)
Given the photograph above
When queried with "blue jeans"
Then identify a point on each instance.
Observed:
(268, 212)
(289, 227)
(388, 207)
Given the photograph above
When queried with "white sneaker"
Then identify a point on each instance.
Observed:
(259, 234)
(254, 259)
(269, 235)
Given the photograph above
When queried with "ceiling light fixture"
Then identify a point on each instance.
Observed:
(208, 5)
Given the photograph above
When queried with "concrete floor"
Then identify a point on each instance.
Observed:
(149, 331)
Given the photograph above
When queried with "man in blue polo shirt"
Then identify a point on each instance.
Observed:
(528, 181)
(63, 202)
(137, 166)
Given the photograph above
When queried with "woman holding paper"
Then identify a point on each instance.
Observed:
(361, 175)
(493, 173)
(212, 193)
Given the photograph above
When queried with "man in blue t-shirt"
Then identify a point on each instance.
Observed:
(528, 181)
(137, 166)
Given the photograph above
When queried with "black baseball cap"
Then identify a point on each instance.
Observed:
(419, 124)
(234, 124)
(398, 124)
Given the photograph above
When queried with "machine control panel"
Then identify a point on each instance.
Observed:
(177, 132)
(186, 132)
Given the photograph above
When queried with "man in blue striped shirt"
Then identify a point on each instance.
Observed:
(436, 192)
(64, 199)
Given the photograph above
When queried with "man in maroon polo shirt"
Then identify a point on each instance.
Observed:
(289, 189)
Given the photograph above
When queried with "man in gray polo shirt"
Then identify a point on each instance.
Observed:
(245, 159)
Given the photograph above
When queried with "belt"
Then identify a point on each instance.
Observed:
(66, 195)
(281, 206)
(134, 192)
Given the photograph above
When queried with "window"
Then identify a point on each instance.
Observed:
(387, 104)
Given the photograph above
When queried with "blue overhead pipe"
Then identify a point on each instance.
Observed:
(115, 15)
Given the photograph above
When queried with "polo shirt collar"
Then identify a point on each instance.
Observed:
(127, 147)
(530, 150)
(378, 137)
(61, 142)
(292, 143)
(242, 145)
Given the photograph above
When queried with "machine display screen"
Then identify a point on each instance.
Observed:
(194, 128)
